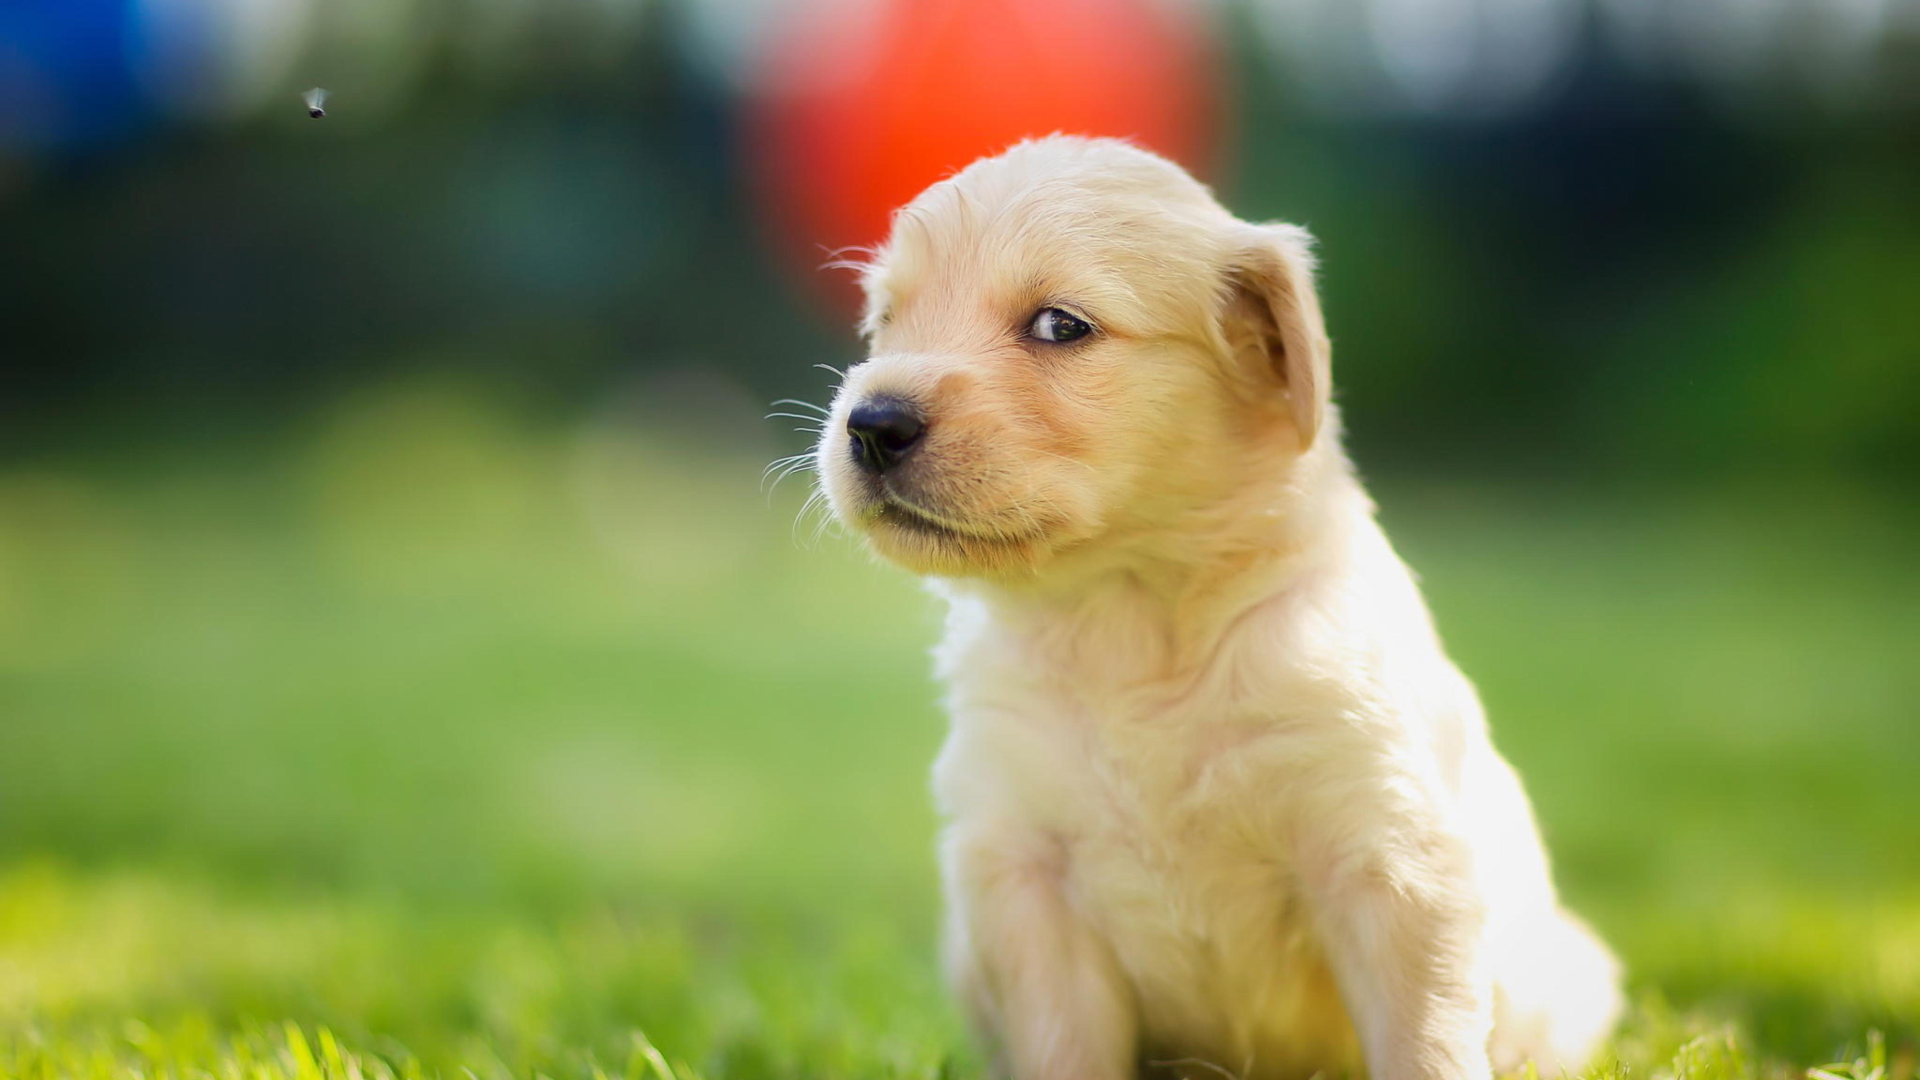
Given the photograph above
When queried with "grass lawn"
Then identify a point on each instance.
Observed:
(425, 741)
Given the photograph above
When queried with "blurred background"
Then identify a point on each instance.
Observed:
(396, 631)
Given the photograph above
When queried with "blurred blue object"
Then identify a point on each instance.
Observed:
(69, 73)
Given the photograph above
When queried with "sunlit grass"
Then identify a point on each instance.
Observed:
(138, 974)
(433, 738)
(166, 970)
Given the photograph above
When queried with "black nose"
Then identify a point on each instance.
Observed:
(883, 430)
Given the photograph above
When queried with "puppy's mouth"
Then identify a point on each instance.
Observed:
(890, 508)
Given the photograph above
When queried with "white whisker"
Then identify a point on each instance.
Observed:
(817, 501)
(782, 468)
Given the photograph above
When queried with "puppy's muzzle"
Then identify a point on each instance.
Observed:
(884, 431)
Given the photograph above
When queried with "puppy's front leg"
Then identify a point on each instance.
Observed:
(1402, 928)
(1040, 984)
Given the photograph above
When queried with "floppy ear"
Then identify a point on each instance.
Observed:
(1273, 297)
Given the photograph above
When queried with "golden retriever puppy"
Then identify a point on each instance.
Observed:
(1217, 799)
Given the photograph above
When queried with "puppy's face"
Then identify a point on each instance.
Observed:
(1072, 346)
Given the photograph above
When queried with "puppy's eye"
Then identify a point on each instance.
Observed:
(1057, 326)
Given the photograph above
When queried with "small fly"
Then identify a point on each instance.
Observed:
(316, 99)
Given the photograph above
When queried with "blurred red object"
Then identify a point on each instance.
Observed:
(862, 103)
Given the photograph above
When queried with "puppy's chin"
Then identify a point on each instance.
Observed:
(924, 545)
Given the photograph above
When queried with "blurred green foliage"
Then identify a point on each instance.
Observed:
(1630, 278)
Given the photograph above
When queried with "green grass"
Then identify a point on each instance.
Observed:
(425, 739)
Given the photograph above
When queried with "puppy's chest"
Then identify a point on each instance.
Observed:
(1188, 815)
(1173, 827)
(1172, 816)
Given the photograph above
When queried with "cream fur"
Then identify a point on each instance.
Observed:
(1217, 798)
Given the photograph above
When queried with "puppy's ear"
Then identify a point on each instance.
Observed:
(1274, 313)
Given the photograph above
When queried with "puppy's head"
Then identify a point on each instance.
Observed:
(1073, 348)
